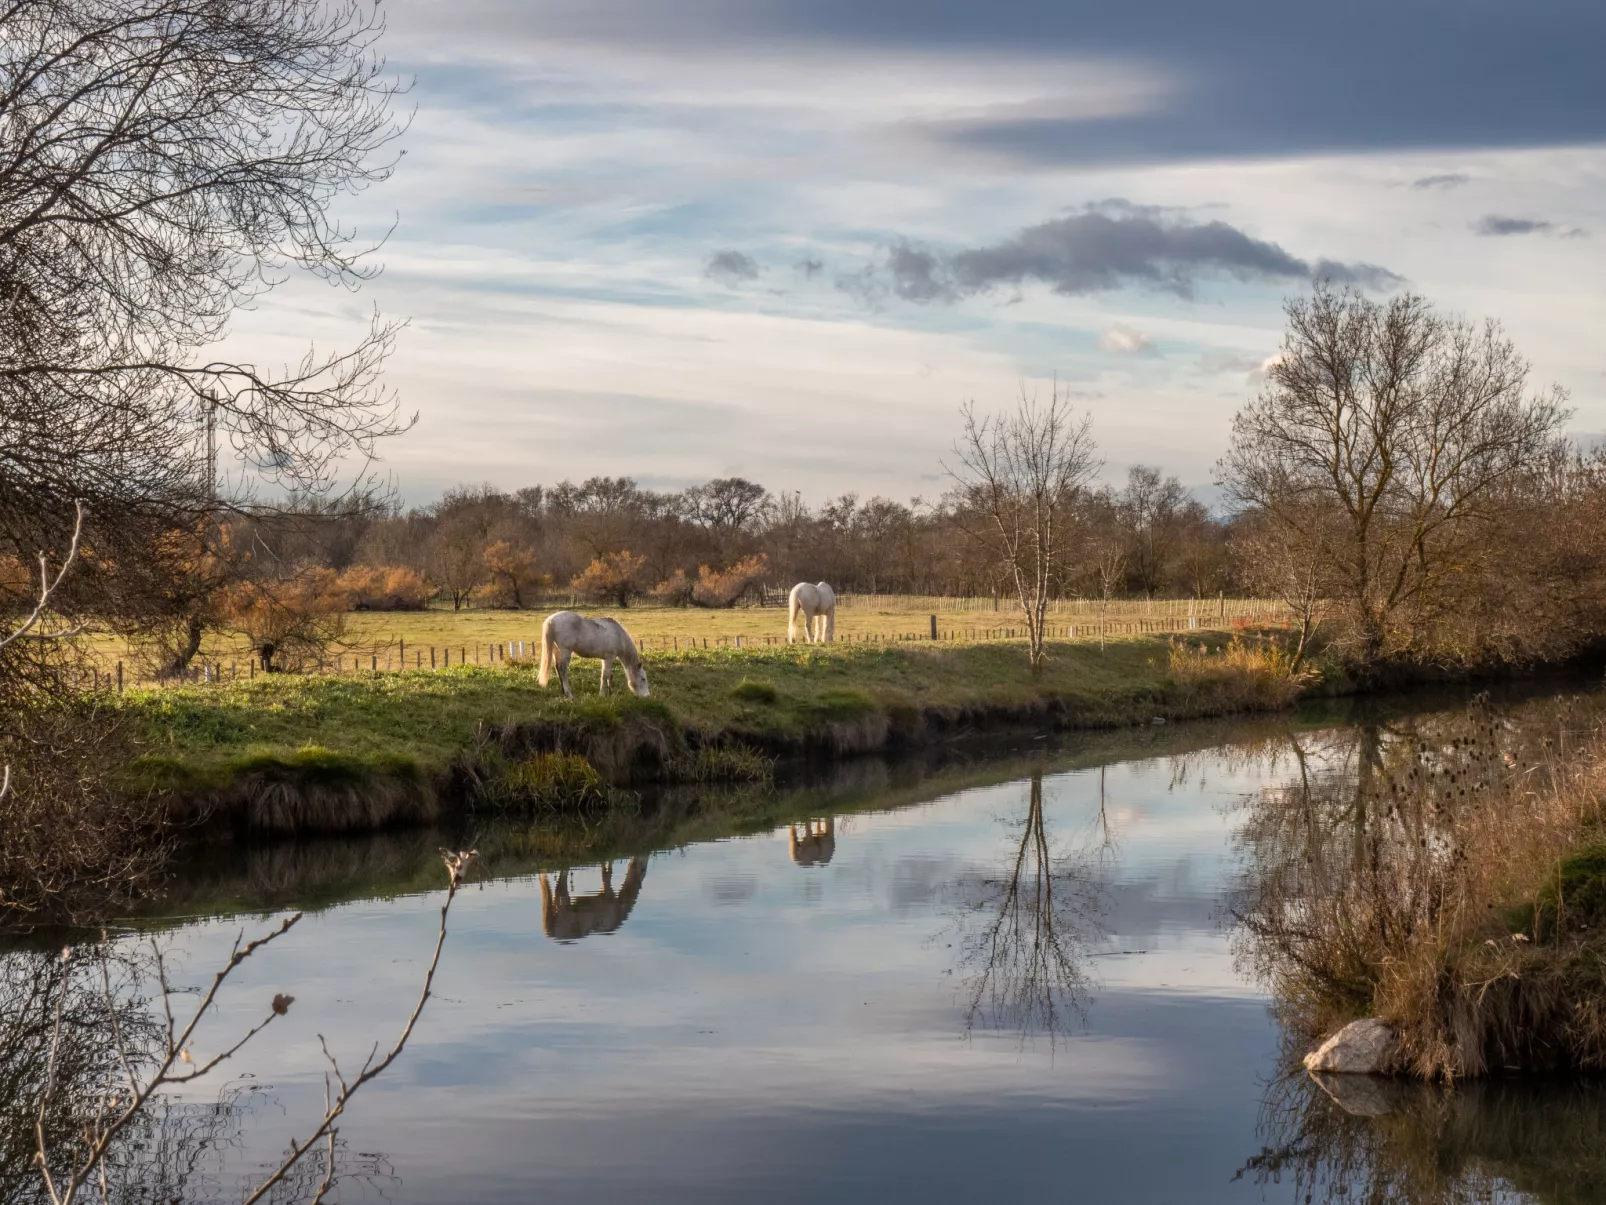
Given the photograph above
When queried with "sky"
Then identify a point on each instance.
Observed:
(787, 239)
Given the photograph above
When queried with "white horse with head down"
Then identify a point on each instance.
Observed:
(816, 606)
(566, 634)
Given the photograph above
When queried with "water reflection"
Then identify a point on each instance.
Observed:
(813, 843)
(1501, 1140)
(1024, 931)
(567, 917)
(63, 1017)
(1009, 968)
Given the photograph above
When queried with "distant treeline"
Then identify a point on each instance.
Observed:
(714, 544)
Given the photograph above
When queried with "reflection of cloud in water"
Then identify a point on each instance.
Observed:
(732, 889)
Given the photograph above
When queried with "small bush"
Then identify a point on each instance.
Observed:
(729, 586)
(749, 691)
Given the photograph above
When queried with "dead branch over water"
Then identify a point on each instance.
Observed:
(110, 1055)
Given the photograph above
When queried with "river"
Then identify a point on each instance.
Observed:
(1003, 973)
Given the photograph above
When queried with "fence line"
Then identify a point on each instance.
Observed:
(1148, 608)
(402, 656)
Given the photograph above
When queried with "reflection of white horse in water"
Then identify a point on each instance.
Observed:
(569, 918)
(565, 634)
(816, 605)
(816, 844)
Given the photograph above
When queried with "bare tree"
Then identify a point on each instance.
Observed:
(165, 162)
(1380, 448)
(1152, 505)
(1109, 568)
(1019, 476)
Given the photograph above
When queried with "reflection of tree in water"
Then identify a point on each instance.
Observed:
(1022, 934)
(1497, 1140)
(178, 1150)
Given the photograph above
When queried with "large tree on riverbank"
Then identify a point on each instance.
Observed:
(1382, 450)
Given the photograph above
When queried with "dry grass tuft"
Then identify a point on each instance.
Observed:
(545, 782)
(1252, 675)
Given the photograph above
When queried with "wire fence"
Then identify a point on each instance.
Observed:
(1075, 620)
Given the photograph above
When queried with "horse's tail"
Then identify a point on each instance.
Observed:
(793, 606)
(830, 621)
(549, 648)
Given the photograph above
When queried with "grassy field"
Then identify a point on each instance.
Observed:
(383, 639)
(415, 726)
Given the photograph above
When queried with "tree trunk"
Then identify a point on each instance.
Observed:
(194, 628)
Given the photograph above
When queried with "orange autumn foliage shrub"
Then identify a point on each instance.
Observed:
(384, 588)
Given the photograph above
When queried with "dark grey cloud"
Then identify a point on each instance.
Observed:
(1253, 77)
(1496, 225)
(810, 267)
(1445, 180)
(731, 267)
(1109, 247)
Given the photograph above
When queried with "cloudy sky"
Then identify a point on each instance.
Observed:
(787, 239)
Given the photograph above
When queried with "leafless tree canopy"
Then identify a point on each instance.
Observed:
(163, 163)
(1383, 448)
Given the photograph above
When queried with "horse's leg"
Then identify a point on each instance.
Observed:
(563, 671)
(607, 675)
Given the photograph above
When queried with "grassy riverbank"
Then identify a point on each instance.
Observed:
(360, 751)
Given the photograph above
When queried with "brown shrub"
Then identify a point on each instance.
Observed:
(616, 578)
(675, 590)
(291, 622)
(384, 588)
(729, 586)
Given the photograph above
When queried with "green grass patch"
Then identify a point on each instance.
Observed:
(725, 763)
(750, 691)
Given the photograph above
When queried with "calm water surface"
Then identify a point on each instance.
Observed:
(1019, 988)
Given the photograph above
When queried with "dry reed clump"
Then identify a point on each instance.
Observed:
(1422, 874)
(1242, 676)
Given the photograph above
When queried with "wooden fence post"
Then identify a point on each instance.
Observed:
(934, 627)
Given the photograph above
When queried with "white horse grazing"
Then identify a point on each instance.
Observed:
(816, 605)
(566, 633)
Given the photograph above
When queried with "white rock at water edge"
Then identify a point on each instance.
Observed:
(1369, 1047)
